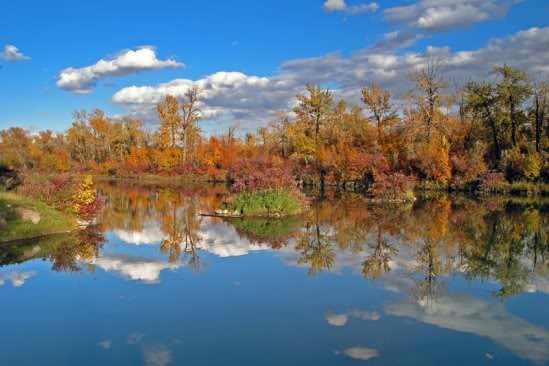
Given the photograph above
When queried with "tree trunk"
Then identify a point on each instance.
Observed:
(496, 141)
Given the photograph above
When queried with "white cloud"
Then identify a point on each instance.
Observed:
(220, 239)
(339, 320)
(397, 39)
(12, 54)
(440, 15)
(17, 278)
(83, 80)
(252, 100)
(361, 353)
(152, 234)
(485, 319)
(341, 5)
(133, 268)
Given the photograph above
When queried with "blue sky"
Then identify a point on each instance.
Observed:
(335, 46)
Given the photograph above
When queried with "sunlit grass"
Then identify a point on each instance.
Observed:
(267, 203)
(13, 228)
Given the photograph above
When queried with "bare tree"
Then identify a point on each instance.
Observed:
(191, 115)
(430, 84)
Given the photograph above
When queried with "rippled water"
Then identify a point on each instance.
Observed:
(450, 281)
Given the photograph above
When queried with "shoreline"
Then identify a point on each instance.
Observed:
(25, 219)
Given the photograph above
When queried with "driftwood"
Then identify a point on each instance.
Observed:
(221, 215)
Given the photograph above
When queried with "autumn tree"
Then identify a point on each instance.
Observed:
(429, 85)
(540, 109)
(170, 122)
(513, 90)
(382, 111)
(189, 119)
(482, 103)
(314, 109)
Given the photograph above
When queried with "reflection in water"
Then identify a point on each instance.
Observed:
(17, 278)
(361, 353)
(487, 319)
(413, 252)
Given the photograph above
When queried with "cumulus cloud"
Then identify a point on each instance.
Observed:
(341, 5)
(485, 319)
(441, 15)
(83, 80)
(12, 54)
(252, 100)
(397, 39)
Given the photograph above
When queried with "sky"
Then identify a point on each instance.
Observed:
(248, 58)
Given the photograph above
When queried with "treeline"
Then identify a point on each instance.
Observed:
(491, 131)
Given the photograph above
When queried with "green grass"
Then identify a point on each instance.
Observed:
(13, 228)
(267, 203)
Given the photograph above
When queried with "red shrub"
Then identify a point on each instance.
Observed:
(392, 186)
(256, 175)
(493, 182)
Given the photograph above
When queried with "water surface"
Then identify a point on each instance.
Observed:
(448, 281)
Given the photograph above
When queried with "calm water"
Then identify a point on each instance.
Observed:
(445, 281)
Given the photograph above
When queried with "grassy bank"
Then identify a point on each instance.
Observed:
(17, 215)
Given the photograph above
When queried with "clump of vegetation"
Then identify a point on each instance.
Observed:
(9, 179)
(266, 188)
(267, 203)
(493, 182)
(394, 187)
(66, 193)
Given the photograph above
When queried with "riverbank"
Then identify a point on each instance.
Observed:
(23, 218)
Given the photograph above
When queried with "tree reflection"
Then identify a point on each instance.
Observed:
(314, 245)
(78, 251)
(377, 263)
(501, 240)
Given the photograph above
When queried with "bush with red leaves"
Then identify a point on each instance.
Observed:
(493, 182)
(394, 186)
(258, 175)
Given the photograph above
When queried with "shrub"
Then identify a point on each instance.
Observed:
(521, 166)
(9, 179)
(493, 182)
(86, 204)
(65, 193)
(432, 161)
(468, 166)
(258, 175)
(393, 186)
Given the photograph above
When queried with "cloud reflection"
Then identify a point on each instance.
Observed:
(134, 268)
(17, 278)
(361, 353)
(464, 313)
(339, 320)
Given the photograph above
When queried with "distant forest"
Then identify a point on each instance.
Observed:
(492, 129)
